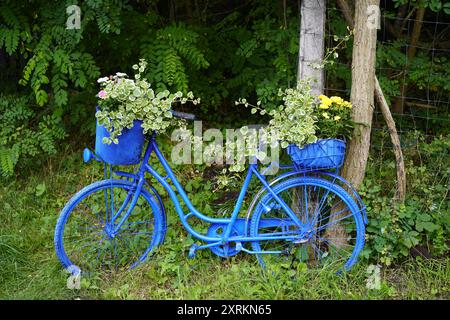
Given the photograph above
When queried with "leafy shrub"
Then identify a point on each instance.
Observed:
(292, 121)
(169, 52)
(25, 133)
(421, 225)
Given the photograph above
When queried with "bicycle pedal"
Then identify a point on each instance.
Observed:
(193, 251)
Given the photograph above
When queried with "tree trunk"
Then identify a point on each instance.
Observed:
(362, 93)
(312, 42)
(401, 175)
(362, 98)
(347, 11)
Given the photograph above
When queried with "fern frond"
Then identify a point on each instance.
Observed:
(7, 161)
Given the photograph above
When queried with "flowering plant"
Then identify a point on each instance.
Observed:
(123, 100)
(333, 116)
(293, 121)
(300, 120)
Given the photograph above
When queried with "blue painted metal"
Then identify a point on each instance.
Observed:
(285, 207)
(257, 222)
(323, 154)
(362, 206)
(193, 251)
(160, 225)
(234, 231)
(88, 155)
(227, 249)
(129, 149)
(335, 178)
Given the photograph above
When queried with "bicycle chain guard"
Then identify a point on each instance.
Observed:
(228, 249)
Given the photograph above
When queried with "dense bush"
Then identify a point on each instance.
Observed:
(421, 225)
(25, 134)
(221, 50)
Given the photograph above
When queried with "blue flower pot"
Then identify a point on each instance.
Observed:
(323, 154)
(129, 149)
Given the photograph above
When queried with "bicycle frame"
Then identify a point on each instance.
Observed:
(139, 179)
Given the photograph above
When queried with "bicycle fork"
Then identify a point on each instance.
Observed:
(111, 229)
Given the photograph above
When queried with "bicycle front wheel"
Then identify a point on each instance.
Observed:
(83, 238)
(333, 230)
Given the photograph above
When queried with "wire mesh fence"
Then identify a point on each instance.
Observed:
(414, 71)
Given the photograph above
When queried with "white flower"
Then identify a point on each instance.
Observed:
(104, 79)
(121, 74)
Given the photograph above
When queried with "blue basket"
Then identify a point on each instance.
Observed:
(129, 149)
(323, 154)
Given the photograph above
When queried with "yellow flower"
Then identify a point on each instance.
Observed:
(347, 104)
(337, 100)
(325, 100)
(323, 106)
(337, 118)
(325, 115)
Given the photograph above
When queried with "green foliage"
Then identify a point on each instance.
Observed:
(266, 57)
(54, 57)
(425, 76)
(292, 122)
(124, 100)
(25, 134)
(55, 63)
(420, 225)
(8, 160)
(168, 52)
(434, 5)
(299, 119)
(219, 52)
(334, 119)
(425, 72)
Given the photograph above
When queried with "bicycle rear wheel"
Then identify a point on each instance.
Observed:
(334, 232)
(83, 239)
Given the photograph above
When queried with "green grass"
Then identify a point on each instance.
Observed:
(29, 269)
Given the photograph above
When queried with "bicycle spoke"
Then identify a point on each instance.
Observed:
(90, 244)
(334, 222)
(319, 208)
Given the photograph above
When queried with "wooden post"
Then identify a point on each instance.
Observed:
(362, 92)
(386, 112)
(312, 43)
(362, 98)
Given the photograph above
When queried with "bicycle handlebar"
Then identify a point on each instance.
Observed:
(183, 115)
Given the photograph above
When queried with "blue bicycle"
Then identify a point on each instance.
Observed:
(305, 215)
